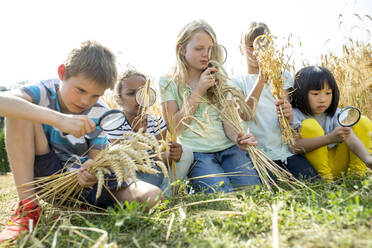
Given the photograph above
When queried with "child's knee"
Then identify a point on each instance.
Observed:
(142, 191)
(18, 125)
(364, 124)
(311, 128)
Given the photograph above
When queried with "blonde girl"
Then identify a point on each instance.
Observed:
(219, 163)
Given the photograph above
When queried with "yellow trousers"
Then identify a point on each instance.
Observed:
(331, 163)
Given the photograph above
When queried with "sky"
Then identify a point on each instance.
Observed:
(37, 35)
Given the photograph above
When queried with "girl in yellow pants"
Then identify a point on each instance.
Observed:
(329, 147)
(331, 163)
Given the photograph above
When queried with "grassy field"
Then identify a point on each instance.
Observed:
(332, 215)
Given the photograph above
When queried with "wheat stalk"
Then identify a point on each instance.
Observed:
(271, 63)
(122, 159)
(264, 165)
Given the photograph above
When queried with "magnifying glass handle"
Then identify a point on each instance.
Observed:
(97, 126)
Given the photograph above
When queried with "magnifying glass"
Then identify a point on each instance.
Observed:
(348, 116)
(145, 96)
(110, 120)
(262, 43)
(218, 53)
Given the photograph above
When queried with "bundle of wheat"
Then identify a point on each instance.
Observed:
(122, 159)
(272, 65)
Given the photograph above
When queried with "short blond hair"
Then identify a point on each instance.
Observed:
(94, 61)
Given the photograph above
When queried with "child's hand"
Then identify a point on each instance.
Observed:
(286, 108)
(77, 125)
(339, 134)
(207, 80)
(86, 179)
(175, 151)
(244, 140)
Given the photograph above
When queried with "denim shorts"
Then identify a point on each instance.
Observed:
(49, 163)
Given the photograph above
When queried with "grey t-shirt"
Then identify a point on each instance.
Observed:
(328, 123)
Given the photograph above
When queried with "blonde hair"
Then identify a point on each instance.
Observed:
(254, 30)
(94, 61)
(179, 73)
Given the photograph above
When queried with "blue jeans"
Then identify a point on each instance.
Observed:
(299, 167)
(233, 166)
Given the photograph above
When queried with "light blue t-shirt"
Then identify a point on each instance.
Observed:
(266, 130)
(67, 147)
(213, 138)
(328, 123)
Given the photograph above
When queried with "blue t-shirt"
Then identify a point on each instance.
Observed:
(67, 147)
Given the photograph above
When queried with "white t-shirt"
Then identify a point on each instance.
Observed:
(266, 130)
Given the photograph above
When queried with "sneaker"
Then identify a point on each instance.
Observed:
(23, 220)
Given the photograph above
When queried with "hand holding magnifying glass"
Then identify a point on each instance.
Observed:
(110, 120)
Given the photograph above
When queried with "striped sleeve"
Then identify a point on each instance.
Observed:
(156, 125)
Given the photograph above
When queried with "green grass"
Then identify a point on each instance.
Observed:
(333, 215)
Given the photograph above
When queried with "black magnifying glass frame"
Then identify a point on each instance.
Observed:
(345, 110)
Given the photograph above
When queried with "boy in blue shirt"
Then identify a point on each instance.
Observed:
(36, 150)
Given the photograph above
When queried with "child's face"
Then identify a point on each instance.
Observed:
(251, 55)
(320, 100)
(127, 98)
(79, 93)
(196, 50)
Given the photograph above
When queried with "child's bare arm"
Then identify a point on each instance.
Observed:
(240, 139)
(19, 105)
(357, 147)
(254, 96)
(305, 145)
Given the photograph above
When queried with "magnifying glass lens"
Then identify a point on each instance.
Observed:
(218, 52)
(348, 116)
(262, 42)
(112, 121)
(145, 96)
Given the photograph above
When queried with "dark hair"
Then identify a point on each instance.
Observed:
(94, 61)
(313, 78)
(125, 75)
